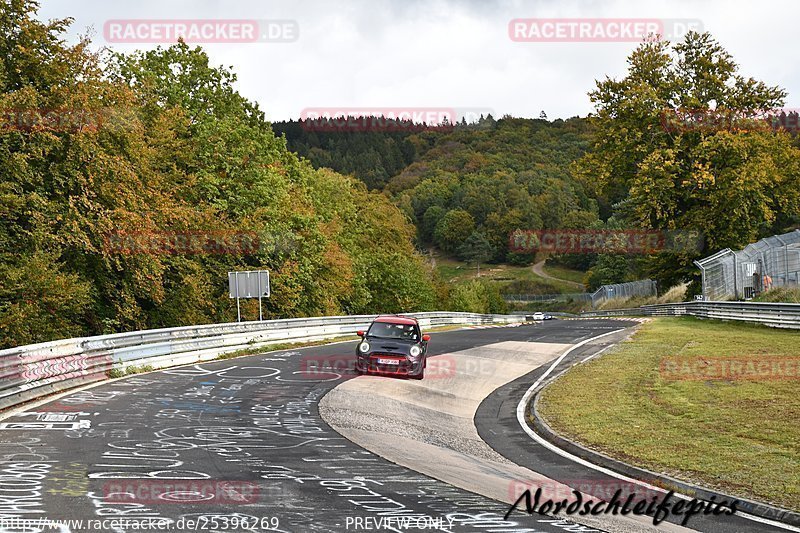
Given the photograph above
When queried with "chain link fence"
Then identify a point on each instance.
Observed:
(743, 274)
(562, 297)
(641, 288)
(644, 287)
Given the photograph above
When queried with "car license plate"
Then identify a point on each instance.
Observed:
(388, 362)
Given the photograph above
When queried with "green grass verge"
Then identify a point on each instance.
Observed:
(454, 271)
(780, 295)
(562, 272)
(741, 437)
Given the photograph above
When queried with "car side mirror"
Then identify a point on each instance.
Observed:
(360, 333)
(426, 338)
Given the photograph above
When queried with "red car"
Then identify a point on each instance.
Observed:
(393, 345)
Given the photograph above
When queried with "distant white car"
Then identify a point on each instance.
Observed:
(538, 316)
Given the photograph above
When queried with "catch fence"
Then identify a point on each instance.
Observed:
(744, 274)
(640, 288)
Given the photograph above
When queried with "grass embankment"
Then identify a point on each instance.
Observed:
(739, 436)
(506, 276)
(780, 295)
(674, 295)
(562, 272)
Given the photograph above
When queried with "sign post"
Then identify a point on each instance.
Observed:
(260, 284)
(248, 284)
(238, 309)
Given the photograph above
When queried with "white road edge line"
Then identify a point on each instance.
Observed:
(597, 354)
(532, 434)
(533, 387)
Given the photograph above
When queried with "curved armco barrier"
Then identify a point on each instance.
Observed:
(29, 372)
(777, 315)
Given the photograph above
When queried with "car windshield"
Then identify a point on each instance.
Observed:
(393, 331)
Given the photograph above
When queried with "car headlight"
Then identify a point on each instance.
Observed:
(415, 351)
(363, 347)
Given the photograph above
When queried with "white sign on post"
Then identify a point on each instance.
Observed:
(248, 284)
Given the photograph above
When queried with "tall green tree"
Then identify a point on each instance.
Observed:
(734, 183)
(476, 249)
(167, 147)
(453, 229)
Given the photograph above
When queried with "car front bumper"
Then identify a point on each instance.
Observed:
(370, 364)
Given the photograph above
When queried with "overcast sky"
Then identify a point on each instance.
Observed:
(446, 53)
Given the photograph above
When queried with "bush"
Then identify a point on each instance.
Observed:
(780, 295)
(453, 229)
(477, 296)
(529, 286)
(519, 259)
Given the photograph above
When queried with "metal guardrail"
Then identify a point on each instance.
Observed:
(32, 371)
(778, 315)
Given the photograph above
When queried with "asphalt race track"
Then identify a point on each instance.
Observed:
(239, 445)
(405, 420)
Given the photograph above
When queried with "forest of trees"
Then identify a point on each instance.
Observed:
(630, 165)
(732, 183)
(372, 156)
(469, 185)
(159, 143)
(163, 144)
